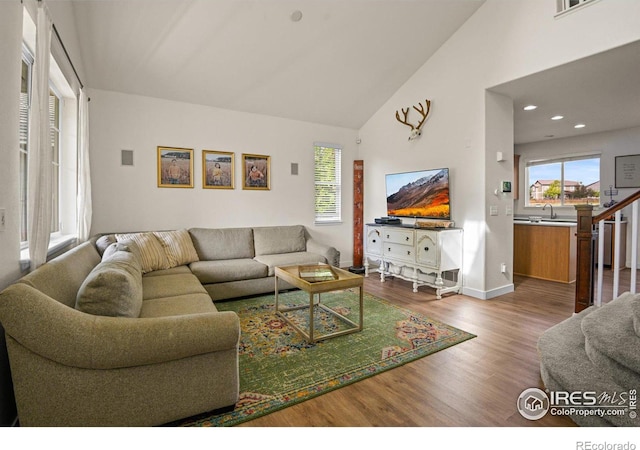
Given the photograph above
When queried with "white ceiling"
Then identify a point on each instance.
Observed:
(601, 91)
(336, 66)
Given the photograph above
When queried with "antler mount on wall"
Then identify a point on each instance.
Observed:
(423, 111)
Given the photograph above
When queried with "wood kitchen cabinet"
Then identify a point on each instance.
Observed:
(547, 252)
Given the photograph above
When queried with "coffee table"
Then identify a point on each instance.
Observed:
(343, 280)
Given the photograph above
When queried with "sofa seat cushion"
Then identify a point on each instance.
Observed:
(214, 244)
(178, 305)
(173, 271)
(114, 287)
(171, 286)
(289, 259)
(229, 270)
(274, 240)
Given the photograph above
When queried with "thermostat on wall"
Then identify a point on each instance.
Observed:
(506, 186)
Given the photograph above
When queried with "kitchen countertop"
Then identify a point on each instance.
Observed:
(546, 223)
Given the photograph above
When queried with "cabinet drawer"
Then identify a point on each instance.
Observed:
(399, 252)
(374, 241)
(398, 236)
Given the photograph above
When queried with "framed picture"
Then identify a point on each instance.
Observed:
(256, 172)
(217, 170)
(175, 167)
(627, 171)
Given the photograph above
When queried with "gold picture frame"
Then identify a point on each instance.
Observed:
(175, 167)
(256, 172)
(218, 169)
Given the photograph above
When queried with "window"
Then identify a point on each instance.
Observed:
(328, 183)
(564, 182)
(63, 117)
(25, 90)
(54, 127)
(566, 5)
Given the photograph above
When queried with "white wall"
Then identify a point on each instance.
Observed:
(502, 41)
(10, 56)
(608, 144)
(127, 198)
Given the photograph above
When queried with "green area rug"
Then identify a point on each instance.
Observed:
(278, 368)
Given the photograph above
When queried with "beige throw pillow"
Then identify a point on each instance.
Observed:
(152, 255)
(178, 247)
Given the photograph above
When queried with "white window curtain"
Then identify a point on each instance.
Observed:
(85, 208)
(39, 201)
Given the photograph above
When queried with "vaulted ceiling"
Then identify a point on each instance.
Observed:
(333, 62)
(336, 65)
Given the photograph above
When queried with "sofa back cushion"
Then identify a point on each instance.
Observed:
(276, 240)
(114, 287)
(61, 277)
(222, 243)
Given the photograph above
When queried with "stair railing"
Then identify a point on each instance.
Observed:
(591, 227)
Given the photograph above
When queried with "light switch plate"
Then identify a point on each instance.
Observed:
(493, 210)
(3, 219)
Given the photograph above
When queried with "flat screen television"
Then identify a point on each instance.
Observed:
(420, 194)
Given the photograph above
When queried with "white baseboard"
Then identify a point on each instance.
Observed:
(487, 295)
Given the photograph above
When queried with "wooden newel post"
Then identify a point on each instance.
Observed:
(584, 258)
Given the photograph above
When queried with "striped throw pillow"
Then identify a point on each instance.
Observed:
(178, 247)
(152, 255)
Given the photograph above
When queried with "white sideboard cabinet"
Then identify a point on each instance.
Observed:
(430, 257)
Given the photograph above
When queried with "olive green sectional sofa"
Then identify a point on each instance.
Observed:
(596, 351)
(123, 330)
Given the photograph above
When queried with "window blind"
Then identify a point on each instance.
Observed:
(328, 183)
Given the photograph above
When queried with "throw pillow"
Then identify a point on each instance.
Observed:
(103, 242)
(152, 255)
(178, 247)
(113, 288)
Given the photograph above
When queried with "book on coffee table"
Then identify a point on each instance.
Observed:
(316, 273)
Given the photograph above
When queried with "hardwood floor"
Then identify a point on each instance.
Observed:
(475, 383)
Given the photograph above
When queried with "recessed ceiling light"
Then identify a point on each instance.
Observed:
(579, 125)
(296, 16)
(557, 117)
(529, 107)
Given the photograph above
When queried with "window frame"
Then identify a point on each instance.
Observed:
(334, 216)
(64, 214)
(565, 6)
(557, 160)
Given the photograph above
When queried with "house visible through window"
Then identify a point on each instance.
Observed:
(564, 182)
(328, 183)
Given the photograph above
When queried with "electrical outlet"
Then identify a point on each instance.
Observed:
(3, 219)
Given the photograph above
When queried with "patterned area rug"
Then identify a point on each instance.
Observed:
(278, 368)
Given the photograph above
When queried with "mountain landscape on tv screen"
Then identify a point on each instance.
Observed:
(426, 197)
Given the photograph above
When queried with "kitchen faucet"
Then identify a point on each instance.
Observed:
(553, 216)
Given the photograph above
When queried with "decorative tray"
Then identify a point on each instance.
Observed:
(316, 273)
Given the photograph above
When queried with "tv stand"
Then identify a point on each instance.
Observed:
(425, 256)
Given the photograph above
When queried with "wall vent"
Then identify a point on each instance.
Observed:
(126, 157)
